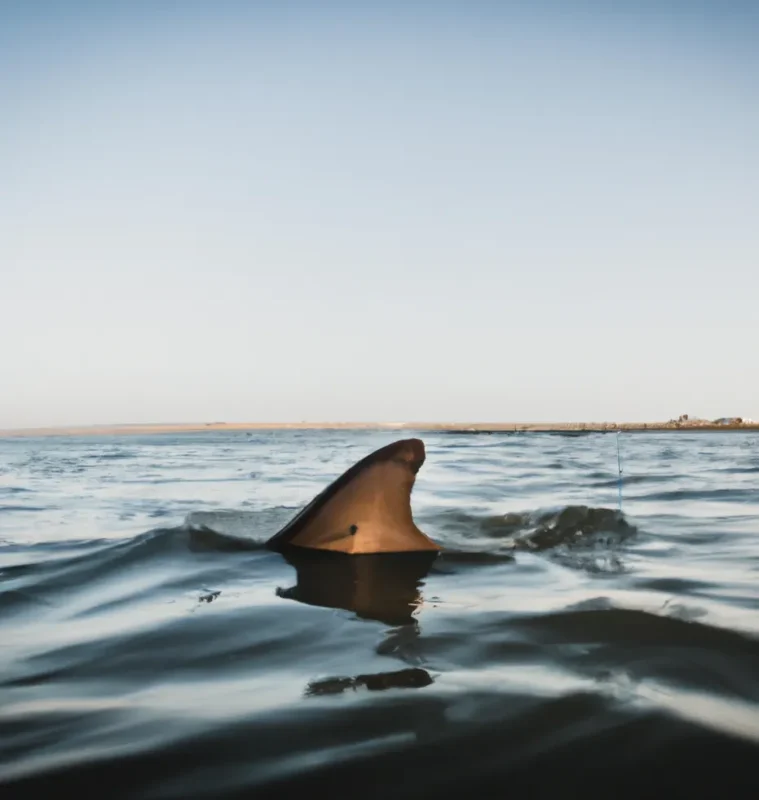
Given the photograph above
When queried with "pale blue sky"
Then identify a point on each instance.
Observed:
(336, 211)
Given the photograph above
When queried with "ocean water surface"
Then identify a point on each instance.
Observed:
(150, 647)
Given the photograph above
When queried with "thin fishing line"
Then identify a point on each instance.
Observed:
(619, 467)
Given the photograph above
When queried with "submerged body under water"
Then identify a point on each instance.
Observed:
(150, 647)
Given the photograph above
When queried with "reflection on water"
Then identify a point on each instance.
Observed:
(385, 587)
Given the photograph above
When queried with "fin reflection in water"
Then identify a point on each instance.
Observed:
(384, 587)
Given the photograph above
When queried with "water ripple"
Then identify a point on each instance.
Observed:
(152, 645)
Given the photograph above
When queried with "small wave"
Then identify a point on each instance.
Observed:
(606, 482)
(75, 565)
(9, 507)
(571, 434)
(636, 628)
(570, 526)
(576, 526)
(202, 538)
(152, 481)
(465, 557)
(110, 455)
(725, 495)
(40, 581)
(751, 470)
(259, 525)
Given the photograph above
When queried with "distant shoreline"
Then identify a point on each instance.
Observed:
(451, 427)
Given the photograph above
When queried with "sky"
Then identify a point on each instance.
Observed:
(287, 211)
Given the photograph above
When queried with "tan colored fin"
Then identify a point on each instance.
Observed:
(366, 510)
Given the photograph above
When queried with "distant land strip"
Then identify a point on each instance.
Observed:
(452, 427)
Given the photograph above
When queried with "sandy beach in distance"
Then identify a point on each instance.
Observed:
(460, 427)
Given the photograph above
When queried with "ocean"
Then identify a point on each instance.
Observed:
(566, 640)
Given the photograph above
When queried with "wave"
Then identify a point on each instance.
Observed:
(166, 702)
(724, 495)
(573, 526)
(55, 570)
(420, 744)
(7, 507)
(465, 538)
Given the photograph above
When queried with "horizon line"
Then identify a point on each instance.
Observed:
(729, 423)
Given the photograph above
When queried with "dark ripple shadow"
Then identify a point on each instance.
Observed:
(633, 627)
(7, 508)
(185, 647)
(611, 482)
(412, 678)
(578, 745)
(724, 495)
(670, 646)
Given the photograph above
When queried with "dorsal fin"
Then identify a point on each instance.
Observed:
(366, 510)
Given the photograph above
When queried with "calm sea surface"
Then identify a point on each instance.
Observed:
(151, 648)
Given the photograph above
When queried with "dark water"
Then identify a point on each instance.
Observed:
(149, 647)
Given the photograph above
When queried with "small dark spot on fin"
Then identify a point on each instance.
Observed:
(352, 530)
